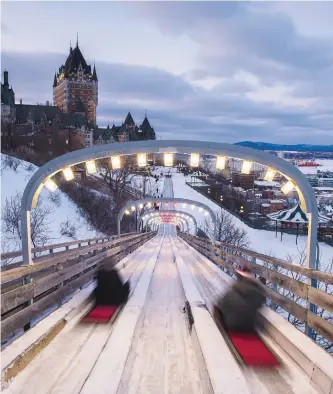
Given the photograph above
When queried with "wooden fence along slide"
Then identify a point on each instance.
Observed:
(28, 291)
(276, 272)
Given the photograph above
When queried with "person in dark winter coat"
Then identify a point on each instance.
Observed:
(110, 289)
(238, 309)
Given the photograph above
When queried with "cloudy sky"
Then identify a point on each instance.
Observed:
(214, 71)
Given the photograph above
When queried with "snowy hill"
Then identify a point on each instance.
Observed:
(61, 222)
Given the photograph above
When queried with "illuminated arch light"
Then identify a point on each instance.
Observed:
(133, 208)
(206, 213)
(287, 187)
(149, 205)
(246, 167)
(193, 207)
(184, 205)
(115, 162)
(68, 173)
(142, 160)
(200, 209)
(220, 162)
(51, 185)
(168, 159)
(270, 175)
(194, 160)
(127, 212)
(91, 167)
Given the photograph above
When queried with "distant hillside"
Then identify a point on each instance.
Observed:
(295, 148)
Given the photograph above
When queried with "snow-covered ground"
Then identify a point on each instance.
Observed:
(14, 182)
(260, 240)
(136, 181)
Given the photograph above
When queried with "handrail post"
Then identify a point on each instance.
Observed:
(26, 237)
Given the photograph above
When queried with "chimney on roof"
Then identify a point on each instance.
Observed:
(20, 101)
(47, 103)
(5, 78)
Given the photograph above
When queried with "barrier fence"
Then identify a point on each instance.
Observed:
(277, 277)
(28, 291)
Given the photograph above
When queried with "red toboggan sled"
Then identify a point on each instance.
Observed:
(248, 348)
(252, 350)
(100, 314)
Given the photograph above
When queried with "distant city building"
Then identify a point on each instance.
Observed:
(75, 86)
(7, 101)
(127, 131)
(70, 123)
(245, 181)
(46, 130)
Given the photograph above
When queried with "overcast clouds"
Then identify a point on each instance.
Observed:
(212, 71)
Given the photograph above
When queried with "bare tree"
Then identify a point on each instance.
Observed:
(325, 287)
(11, 221)
(30, 167)
(206, 164)
(68, 229)
(118, 180)
(55, 198)
(10, 162)
(226, 230)
(300, 260)
(8, 246)
(11, 217)
(40, 226)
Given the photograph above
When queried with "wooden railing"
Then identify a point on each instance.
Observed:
(51, 249)
(277, 277)
(28, 291)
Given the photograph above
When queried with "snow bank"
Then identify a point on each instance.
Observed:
(14, 182)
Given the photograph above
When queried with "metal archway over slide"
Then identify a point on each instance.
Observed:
(292, 173)
(179, 201)
(155, 222)
(172, 214)
(175, 220)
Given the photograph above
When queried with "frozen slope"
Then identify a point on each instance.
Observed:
(162, 357)
(13, 182)
(162, 354)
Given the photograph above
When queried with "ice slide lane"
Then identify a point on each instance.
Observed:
(209, 279)
(64, 365)
(162, 359)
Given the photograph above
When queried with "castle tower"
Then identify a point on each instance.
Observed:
(75, 86)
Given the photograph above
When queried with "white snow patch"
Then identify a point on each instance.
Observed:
(14, 182)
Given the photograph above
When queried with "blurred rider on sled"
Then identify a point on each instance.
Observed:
(110, 289)
(237, 310)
